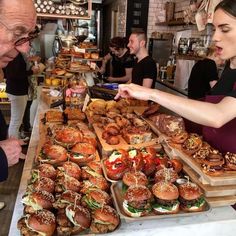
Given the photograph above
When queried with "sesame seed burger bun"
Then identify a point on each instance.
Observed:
(189, 191)
(47, 170)
(105, 220)
(166, 197)
(134, 178)
(79, 216)
(38, 200)
(191, 199)
(42, 221)
(72, 169)
(165, 191)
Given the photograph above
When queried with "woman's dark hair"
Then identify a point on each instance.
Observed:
(228, 6)
(118, 42)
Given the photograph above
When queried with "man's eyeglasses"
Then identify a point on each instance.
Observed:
(33, 34)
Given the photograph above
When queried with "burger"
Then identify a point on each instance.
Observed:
(135, 178)
(190, 197)
(90, 140)
(67, 136)
(166, 195)
(66, 182)
(96, 198)
(67, 198)
(116, 164)
(137, 201)
(104, 220)
(83, 153)
(166, 174)
(95, 182)
(41, 222)
(42, 184)
(37, 200)
(230, 160)
(71, 169)
(92, 168)
(64, 226)
(79, 216)
(44, 170)
(52, 154)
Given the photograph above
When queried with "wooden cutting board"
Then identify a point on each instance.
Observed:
(210, 191)
(123, 144)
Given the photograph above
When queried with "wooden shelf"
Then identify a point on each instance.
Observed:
(57, 16)
(173, 23)
(189, 57)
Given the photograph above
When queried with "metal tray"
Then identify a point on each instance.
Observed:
(116, 190)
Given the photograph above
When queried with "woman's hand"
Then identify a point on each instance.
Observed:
(135, 91)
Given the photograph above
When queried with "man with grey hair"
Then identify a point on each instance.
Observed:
(17, 22)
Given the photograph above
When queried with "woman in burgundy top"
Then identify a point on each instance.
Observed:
(218, 113)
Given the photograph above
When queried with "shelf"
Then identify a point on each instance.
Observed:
(173, 23)
(57, 16)
(189, 57)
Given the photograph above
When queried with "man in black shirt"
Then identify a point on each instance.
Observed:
(144, 71)
(204, 75)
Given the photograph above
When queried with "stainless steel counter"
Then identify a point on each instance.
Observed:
(217, 222)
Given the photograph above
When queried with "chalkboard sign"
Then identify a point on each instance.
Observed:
(137, 15)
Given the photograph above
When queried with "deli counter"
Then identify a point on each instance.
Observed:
(217, 221)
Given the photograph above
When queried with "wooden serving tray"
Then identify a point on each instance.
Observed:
(123, 144)
(221, 201)
(226, 178)
(116, 190)
(211, 191)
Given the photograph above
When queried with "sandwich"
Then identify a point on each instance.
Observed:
(71, 169)
(104, 220)
(135, 178)
(42, 184)
(67, 197)
(44, 170)
(96, 198)
(137, 201)
(52, 154)
(67, 136)
(191, 198)
(42, 222)
(82, 153)
(93, 168)
(37, 200)
(79, 216)
(166, 174)
(166, 195)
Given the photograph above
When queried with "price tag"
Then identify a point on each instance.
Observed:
(93, 65)
(80, 50)
(86, 101)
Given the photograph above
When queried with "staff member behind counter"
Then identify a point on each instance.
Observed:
(144, 71)
(121, 59)
(218, 113)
